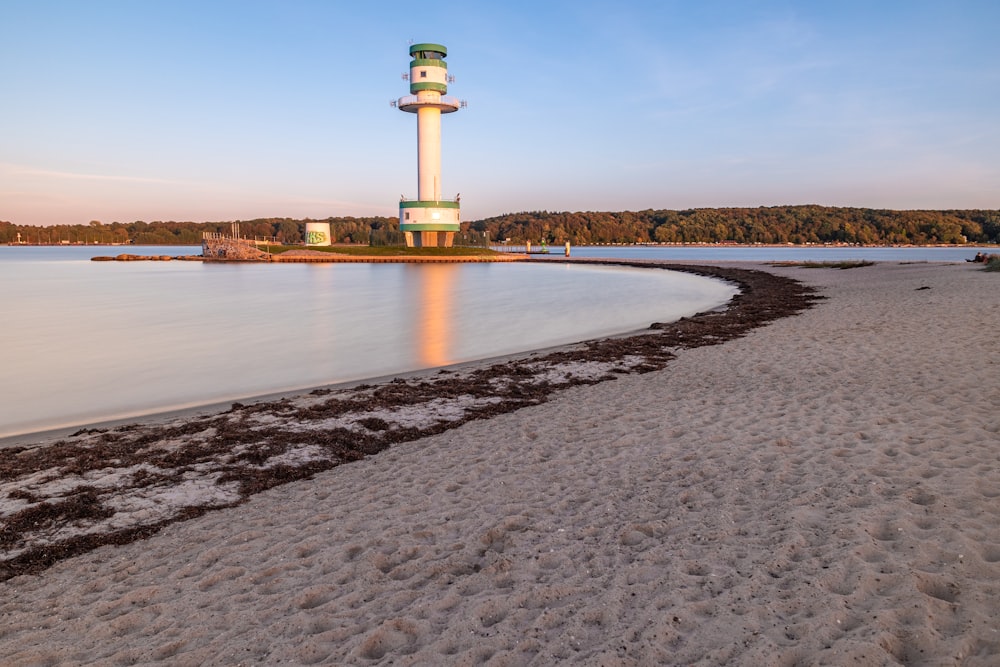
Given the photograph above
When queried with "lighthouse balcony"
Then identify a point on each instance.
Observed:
(445, 202)
(445, 103)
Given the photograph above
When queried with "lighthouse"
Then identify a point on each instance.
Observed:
(430, 220)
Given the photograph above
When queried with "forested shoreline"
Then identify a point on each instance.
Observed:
(767, 225)
(764, 225)
(284, 230)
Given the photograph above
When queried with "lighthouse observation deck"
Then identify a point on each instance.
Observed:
(444, 103)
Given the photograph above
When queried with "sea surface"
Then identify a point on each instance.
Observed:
(84, 342)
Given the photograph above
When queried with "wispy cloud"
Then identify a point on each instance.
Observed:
(22, 170)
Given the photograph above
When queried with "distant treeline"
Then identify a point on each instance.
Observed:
(774, 224)
(284, 230)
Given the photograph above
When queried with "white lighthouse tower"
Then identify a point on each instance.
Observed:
(429, 220)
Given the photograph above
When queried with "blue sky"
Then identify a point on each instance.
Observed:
(219, 110)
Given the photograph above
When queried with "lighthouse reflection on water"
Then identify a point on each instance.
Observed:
(433, 322)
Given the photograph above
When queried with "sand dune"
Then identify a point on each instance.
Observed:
(823, 490)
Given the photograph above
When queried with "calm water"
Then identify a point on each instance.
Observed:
(87, 341)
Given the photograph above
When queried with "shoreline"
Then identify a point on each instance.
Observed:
(51, 435)
(161, 415)
(971, 246)
(350, 426)
(820, 490)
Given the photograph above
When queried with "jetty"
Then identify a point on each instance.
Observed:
(223, 248)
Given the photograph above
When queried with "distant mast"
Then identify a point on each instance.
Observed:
(429, 220)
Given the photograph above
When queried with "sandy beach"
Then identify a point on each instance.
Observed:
(820, 490)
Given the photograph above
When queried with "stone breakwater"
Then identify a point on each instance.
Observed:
(313, 257)
(318, 256)
(125, 257)
(239, 250)
(232, 250)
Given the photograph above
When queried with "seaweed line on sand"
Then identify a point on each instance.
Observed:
(101, 487)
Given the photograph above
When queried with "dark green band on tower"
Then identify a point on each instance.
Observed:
(430, 227)
(436, 48)
(439, 87)
(427, 62)
(416, 203)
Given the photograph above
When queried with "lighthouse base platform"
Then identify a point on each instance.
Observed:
(429, 223)
(428, 239)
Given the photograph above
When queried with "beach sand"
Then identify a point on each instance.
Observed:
(822, 490)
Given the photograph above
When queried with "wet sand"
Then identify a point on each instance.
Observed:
(821, 489)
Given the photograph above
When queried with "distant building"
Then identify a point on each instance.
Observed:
(318, 233)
